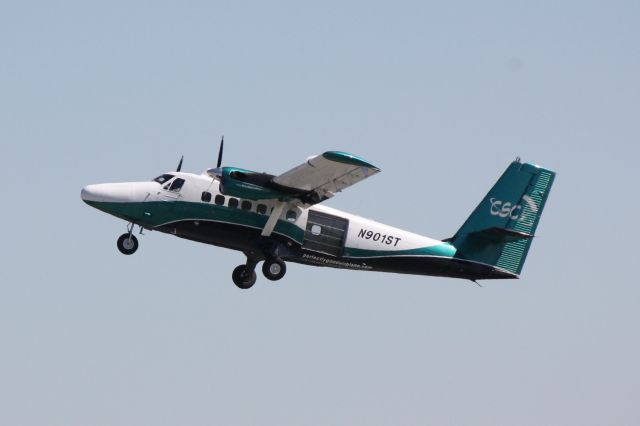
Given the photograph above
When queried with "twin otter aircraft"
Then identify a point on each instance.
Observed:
(279, 218)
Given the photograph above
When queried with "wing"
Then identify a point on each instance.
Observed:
(321, 176)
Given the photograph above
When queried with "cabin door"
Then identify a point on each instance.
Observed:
(325, 233)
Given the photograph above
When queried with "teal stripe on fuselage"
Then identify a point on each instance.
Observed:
(152, 214)
(440, 250)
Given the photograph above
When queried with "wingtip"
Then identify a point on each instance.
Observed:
(345, 157)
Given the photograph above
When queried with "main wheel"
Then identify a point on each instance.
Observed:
(243, 278)
(127, 244)
(274, 269)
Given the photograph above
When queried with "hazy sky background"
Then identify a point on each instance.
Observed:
(440, 95)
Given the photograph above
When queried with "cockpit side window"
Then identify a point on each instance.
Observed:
(176, 185)
(163, 178)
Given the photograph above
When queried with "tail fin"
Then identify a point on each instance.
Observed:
(500, 230)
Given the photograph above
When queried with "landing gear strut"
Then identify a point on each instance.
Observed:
(128, 243)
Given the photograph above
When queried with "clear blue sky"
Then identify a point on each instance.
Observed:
(440, 96)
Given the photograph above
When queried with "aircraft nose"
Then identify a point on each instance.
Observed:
(105, 192)
(90, 193)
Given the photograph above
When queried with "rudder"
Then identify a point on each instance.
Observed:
(500, 230)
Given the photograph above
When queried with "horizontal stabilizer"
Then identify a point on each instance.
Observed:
(501, 234)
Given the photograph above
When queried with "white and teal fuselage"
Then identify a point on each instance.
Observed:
(315, 234)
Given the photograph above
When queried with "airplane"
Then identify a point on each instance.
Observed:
(278, 219)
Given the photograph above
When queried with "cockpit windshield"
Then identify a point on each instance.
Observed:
(163, 178)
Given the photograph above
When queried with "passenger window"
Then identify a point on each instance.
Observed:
(246, 205)
(219, 200)
(233, 203)
(206, 197)
(176, 185)
(262, 209)
(291, 215)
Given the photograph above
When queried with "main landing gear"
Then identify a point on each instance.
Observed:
(244, 276)
(274, 269)
(128, 243)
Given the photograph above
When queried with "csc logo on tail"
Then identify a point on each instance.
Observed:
(514, 211)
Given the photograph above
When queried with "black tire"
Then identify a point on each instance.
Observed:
(274, 269)
(127, 245)
(243, 278)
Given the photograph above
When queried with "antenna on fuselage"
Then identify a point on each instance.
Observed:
(180, 164)
(476, 282)
(220, 151)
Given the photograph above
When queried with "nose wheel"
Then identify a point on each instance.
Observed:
(127, 244)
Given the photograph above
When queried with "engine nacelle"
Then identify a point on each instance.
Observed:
(250, 185)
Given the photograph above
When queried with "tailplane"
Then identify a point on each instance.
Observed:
(500, 230)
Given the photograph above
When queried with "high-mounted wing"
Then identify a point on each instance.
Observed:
(321, 176)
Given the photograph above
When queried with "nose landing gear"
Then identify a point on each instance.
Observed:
(128, 243)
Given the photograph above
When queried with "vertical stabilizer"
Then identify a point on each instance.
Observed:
(500, 230)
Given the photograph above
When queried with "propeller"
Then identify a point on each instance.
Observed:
(217, 172)
(220, 152)
(180, 164)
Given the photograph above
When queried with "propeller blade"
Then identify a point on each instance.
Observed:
(220, 152)
(180, 164)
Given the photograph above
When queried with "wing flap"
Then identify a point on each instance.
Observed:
(326, 174)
